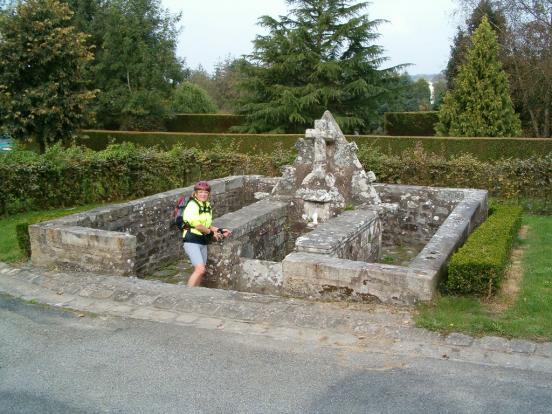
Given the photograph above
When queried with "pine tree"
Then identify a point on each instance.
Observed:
(320, 56)
(480, 103)
(461, 40)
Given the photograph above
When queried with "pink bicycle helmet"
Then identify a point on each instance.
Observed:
(202, 185)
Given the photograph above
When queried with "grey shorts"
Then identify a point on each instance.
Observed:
(196, 252)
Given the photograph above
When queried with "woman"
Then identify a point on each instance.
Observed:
(198, 231)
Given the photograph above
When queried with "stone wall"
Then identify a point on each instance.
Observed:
(320, 275)
(131, 238)
(353, 235)
(413, 214)
(259, 231)
(259, 276)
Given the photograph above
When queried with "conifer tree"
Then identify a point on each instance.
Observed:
(320, 56)
(480, 103)
(461, 41)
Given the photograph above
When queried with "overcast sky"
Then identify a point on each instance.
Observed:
(419, 31)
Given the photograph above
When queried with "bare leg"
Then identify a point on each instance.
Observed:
(195, 278)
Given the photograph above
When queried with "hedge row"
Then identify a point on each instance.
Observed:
(410, 123)
(479, 266)
(203, 122)
(482, 148)
(68, 177)
(515, 179)
(246, 143)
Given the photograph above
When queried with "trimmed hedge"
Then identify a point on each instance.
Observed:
(478, 267)
(203, 122)
(482, 148)
(246, 143)
(410, 123)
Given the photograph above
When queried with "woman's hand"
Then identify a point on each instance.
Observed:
(217, 235)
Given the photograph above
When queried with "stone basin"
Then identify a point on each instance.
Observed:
(318, 231)
(267, 252)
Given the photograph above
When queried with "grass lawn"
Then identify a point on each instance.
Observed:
(529, 317)
(9, 249)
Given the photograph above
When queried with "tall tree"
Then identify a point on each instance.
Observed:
(320, 56)
(530, 59)
(136, 68)
(480, 103)
(461, 42)
(528, 44)
(43, 93)
(408, 95)
(226, 78)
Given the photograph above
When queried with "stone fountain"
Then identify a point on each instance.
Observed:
(318, 231)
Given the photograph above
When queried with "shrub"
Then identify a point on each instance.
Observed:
(73, 176)
(77, 176)
(410, 123)
(190, 98)
(478, 267)
(23, 238)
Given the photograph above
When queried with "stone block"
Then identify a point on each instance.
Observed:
(522, 346)
(494, 343)
(234, 182)
(307, 274)
(458, 339)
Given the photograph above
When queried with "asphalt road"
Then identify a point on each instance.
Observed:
(54, 361)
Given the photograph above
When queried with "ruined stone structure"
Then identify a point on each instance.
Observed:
(327, 174)
(317, 231)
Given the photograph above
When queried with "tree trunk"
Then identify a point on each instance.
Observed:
(534, 122)
(546, 129)
(128, 81)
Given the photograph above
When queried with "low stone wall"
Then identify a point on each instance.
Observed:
(353, 235)
(418, 212)
(258, 232)
(259, 276)
(135, 238)
(131, 238)
(320, 275)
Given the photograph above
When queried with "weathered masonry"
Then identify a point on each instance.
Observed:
(131, 238)
(318, 231)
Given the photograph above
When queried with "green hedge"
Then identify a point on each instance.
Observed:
(514, 179)
(482, 148)
(246, 143)
(203, 122)
(410, 123)
(74, 176)
(479, 266)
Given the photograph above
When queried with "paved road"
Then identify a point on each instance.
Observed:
(56, 361)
